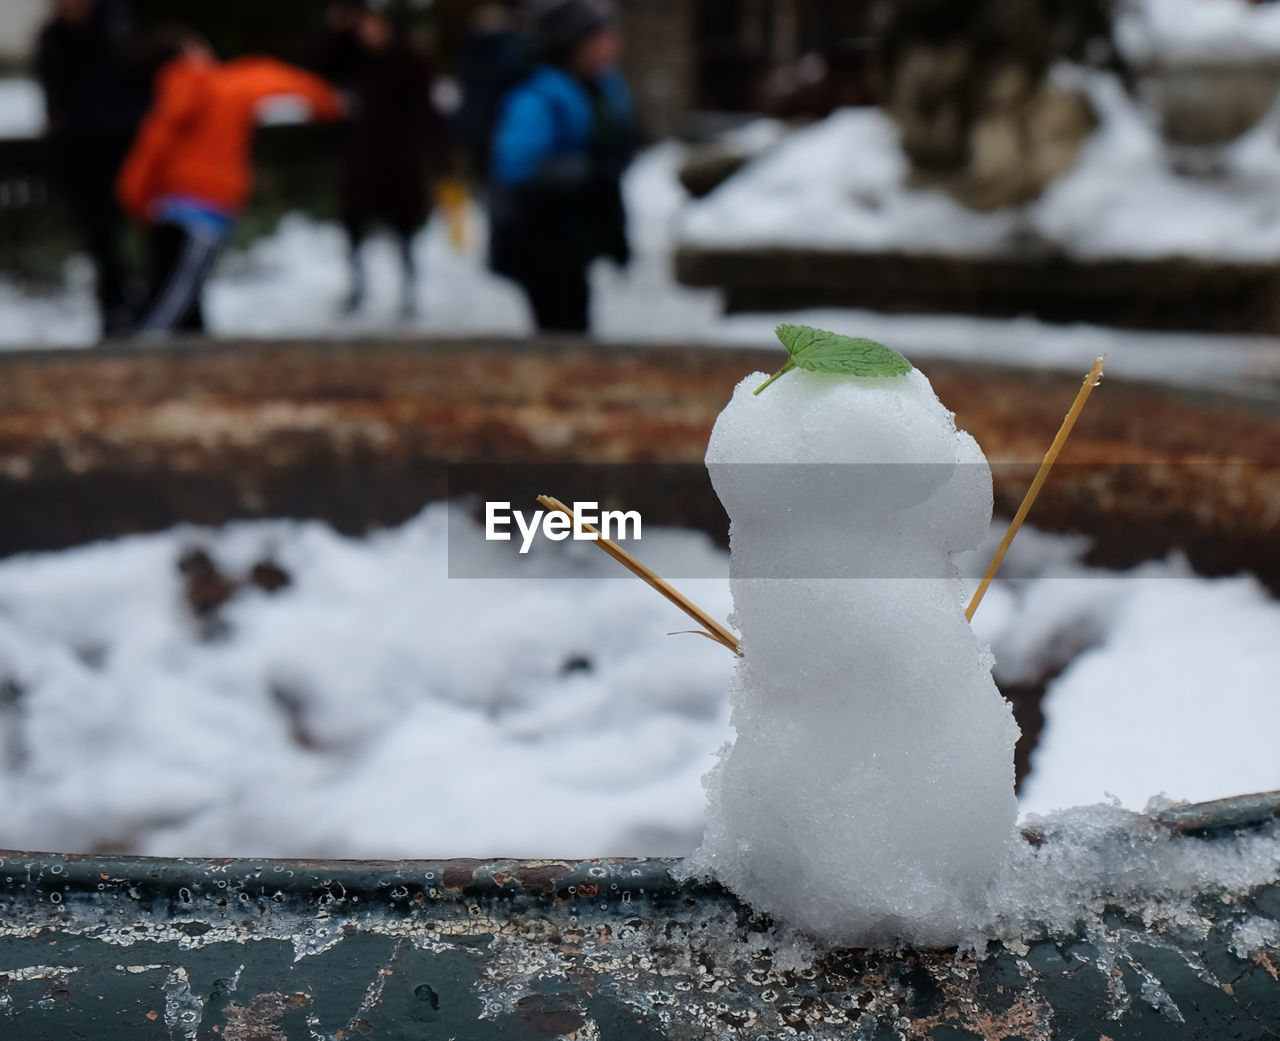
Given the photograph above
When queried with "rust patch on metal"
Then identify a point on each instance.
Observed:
(260, 1019)
(352, 432)
(1028, 1017)
(542, 878)
(459, 874)
(551, 1015)
(535, 878)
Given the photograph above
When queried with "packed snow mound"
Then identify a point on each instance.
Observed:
(1186, 707)
(1181, 31)
(843, 184)
(868, 795)
(836, 184)
(371, 708)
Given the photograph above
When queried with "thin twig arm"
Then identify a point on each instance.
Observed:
(715, 631)
(1051, 457)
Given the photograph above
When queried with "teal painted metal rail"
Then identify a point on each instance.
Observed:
(118, 949)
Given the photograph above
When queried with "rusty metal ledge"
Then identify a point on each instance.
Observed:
(112, 948)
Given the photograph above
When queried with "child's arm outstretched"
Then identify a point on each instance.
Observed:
(270, 78)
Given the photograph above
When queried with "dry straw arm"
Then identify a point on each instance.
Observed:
(713, 629)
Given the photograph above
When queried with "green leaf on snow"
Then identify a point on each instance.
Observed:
(820, 351)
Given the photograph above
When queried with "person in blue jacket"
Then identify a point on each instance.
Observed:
(563, 140)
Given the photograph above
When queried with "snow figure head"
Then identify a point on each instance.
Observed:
(868, 797)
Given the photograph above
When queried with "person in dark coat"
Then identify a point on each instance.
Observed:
(565, 137)
(495, 57)
(94, 100)
(398, 142)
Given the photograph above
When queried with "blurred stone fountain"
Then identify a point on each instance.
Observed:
(993, 102)
(1202, 98)
(971, 90)
(1208, 103)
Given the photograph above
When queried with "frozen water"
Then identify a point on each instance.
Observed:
(1255, 934)
(1108, 875)
(1092, 858)
(868, 795)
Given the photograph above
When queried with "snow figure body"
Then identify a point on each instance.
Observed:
(868, 797)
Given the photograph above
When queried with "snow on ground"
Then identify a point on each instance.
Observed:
(843, 184)
(839, 184)
(1165, 688)
(293, 281)
(376, 708)
(372, 708)
(21, 108)
(1229, 31)
(1174, 689)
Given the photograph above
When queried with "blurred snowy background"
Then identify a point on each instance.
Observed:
(362, 704)
(291, 282)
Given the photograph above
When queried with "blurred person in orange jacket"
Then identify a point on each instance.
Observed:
(187, 176)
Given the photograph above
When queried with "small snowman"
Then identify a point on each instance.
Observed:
(868, 797)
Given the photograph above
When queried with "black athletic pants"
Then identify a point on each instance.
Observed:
(180, 259)
(87, 165)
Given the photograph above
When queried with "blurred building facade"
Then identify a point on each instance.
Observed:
(19, 22)
(683, 55)
(739, 55)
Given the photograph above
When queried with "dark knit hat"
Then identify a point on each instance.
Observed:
(561, 25)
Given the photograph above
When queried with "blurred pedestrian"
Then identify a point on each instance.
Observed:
(565, 136)
(187, 176)
(398, 143)
(496, 56)
(94, 100)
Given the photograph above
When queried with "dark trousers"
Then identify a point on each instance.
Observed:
(88, 167)
(357, 228)
(180, 260)
(560, 299)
